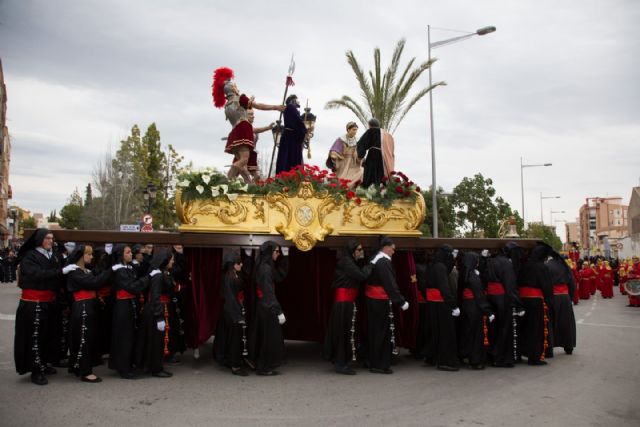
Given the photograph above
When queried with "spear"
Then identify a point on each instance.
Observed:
(289, 82)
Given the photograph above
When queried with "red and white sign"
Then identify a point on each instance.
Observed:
(147, 221)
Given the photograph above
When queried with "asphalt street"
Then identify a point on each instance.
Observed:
(599, 385)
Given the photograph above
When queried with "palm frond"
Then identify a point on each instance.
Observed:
(350, 104)
(365, 87)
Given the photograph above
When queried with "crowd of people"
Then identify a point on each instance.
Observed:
(80, 303)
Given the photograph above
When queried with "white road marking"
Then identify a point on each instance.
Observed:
(7, 316)
(609, 325)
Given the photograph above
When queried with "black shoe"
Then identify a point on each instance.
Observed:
(536, 362)
(447, 368)
(50, 370)
(240, 372)
(267, 373)
(128, 375)
(381, 371)
(97, 379)
(568, 350)
(162, 374)
(39, 380)
(477, 367)
(345, 370)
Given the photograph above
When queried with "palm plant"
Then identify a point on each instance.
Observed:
(385, 95)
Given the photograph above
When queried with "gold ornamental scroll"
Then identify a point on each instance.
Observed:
(304, 218)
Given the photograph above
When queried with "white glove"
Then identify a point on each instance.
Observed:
(160, 325)
(455, 253)
(520, 313)
(108, 248)
(117, 267)
(492, 317)
(154, 272)
(285, 251)
(69, 268)
(281, 318)
(405, 306)
(485, 253)
(248, 252)
(455, 312)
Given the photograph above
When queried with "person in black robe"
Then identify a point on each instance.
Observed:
(376, 147)
(382, 291)
(125, 323)
(292, 140)
(340, 344)
(230, 344)
(564, 288)
(266, 340)
(421, 279)
(502, 294)
(475, 315)
(178, 306)
(536, 292)
(40, 276)
(103, 307)
(83, 284)
(442, 309)
(153, 335)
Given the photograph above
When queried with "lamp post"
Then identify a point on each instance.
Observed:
(149, 195)
(541, 199)
(434, 189)
(522, 166)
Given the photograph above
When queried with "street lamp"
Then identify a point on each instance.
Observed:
(541, 199)
(522, 166)
(149, 195)
(434, 189)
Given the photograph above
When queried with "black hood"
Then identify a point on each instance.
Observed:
(34, 241)
(160, 259)
(444, 254)
(76, 254)
(117, 252)
(540, 252)
(350, 247)
(229, 260)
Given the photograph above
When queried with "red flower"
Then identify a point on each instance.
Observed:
(350, 195)
(357, 183)
(396, 180)
(285, 189)
(393, 172)
(418, 189)
(385, 179)
(399, 190)
(407, 193)
(358, 200)
(333, 185)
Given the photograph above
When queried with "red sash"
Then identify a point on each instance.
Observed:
(165, 299)
(122, 294)
(528, 292)
(104, 291)
(561, 289)
(240, 297)
(495, 288)
(345, 295)
(84, 295)
(434, 295)
(34, 295)
(259, 293)
(467, 294)
(375, 292)
(419, 297)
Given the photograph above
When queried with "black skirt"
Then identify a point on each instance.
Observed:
(32, 337)
(266, 340)
(441, 345)
(379, 333)
(471, 333)
(123, 335)
(564, 322)
(82, 337)
(337, 342)
(150, 342)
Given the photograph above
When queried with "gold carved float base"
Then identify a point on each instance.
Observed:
(303, 218)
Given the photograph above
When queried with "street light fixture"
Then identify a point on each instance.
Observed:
(149, 195)
(541, 199)
(522, 166)
(434, 189)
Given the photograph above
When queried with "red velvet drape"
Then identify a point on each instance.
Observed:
(305, 295)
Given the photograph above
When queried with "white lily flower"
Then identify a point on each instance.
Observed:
(206, 178)
(200, 189)
(215, 192)
(232, 196)
(383, 192)
(184, 183)
(224, 188)
(239, 178)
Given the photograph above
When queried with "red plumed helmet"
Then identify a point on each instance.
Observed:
(220, 76)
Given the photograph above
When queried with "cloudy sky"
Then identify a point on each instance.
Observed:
(556, 83)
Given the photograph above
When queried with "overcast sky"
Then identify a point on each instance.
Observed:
(558, 82)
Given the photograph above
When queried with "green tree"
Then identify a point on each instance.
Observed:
(29, 222)
(53, 216)
(71, 213)
(386, 95)
(446, 214)
(88, 195)
(544, 233)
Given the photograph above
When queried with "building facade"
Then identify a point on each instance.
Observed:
(630, 245)
(603, 223)
(5, 159)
